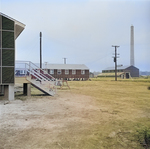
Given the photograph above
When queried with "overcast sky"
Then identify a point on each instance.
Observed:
(83, 31)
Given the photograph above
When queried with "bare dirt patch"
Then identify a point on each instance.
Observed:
(48, 122)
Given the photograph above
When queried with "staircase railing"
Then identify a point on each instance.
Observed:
(38, 76)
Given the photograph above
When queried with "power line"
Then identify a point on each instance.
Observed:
(100, 58)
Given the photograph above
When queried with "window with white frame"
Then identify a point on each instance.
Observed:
(51, 71)
(45, 71)
(59, 71)
(66, 71)
(38, 71)
(73, 71)
(82, 72)
(22, 72)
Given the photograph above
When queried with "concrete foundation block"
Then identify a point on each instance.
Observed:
(9, 92)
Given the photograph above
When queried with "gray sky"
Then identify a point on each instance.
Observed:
(83, 31)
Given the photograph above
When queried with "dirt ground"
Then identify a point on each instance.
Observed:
(46, 122)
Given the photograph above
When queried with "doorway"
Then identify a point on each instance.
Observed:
(127, 76)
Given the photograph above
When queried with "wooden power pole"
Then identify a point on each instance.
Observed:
(115, 60)
(41, 50)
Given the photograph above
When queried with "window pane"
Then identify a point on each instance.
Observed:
(8, 57)
(73, 71)
(7, 24)
(66, 71)
(59, 71)
(52, 71)
(22, 71)
(7, 39)
(82, 71)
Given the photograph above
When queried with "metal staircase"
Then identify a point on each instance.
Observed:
(38, 77)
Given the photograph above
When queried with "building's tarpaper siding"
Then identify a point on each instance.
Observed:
(134, 72)
(70, 75)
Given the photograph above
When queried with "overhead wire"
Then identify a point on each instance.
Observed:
(74, 46)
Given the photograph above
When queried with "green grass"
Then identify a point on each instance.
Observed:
(126, 102)
(122, 121)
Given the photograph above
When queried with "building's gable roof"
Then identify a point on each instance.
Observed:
(67, 66)
(19, 27)
(113, 68)
(119, 67)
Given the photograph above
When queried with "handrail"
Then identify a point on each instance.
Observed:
(35, 72)
(38, 73)
(23, 62)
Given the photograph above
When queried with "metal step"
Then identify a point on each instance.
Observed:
(39, 78)
(43, 86)
(51, 93)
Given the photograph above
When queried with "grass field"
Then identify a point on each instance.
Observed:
(97, 114)
(127, 102)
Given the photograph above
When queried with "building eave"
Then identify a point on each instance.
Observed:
(19, 27)
(67, 66)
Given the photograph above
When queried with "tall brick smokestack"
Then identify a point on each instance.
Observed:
(132, 46)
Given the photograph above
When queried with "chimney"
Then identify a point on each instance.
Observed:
(64, 60)
(132, 46)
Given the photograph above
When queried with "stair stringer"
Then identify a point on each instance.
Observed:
(46, 87)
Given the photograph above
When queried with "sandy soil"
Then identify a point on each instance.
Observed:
(42, 121)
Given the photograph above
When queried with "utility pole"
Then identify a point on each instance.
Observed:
(64, 60)
(41, 50)
(115, 60)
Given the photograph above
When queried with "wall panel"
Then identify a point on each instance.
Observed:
(0, 75)
(8, 57)
(7, 24)
(8, 39)
(7, 75)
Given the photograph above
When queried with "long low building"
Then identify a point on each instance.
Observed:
(68, 71)
(59, 71)
(122, 71)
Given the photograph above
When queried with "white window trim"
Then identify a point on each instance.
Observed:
(22, 72)
(82, 72)
(51, 71)
(73, 70)
(66, 71)
(59, 70)
(45, 71)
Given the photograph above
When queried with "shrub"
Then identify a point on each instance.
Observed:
(144, 137)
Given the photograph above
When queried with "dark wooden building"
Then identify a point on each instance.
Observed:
(68, 71)
(122, 71)
(10, 29)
